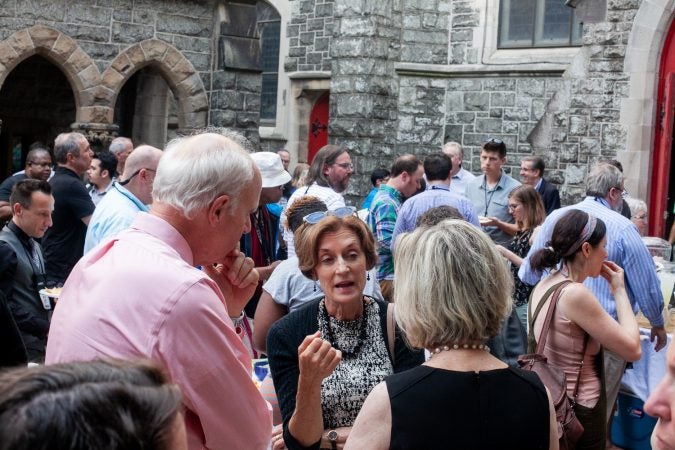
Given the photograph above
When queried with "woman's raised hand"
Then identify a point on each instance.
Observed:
(613, 274)
(317, 358)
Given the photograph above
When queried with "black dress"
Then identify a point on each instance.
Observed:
(496, 409)
(520, 245)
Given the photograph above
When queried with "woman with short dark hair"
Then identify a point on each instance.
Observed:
(327, 356)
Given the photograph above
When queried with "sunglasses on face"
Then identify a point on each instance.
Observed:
(318, 216)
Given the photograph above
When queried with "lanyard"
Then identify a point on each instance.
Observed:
(265, 243)
(492, 193)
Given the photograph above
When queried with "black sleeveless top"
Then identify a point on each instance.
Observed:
(496, 409)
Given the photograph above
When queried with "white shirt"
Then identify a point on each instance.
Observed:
(327, 195)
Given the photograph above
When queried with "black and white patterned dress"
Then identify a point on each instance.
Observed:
(344, 391)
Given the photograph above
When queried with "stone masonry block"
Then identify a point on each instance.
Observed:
(172, 57)
(79, 60)
(489, 125)
(88, 14)
(465, 20)
(182, 70)
(43, 37)
(502, 99)
(112, 79)
(90, 76)
(358, 26)
(154, 49)
(578, 125)
(96, 114)
(135, 54)
(191, 85)
(21, 41)
(7, 54)
(464, 85)
(129, 33)
(122, 64)
(476, 101)
(531, 87)
(183, 25)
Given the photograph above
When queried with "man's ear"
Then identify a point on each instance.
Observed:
(218, 209)
(17, 209)
(104, 173)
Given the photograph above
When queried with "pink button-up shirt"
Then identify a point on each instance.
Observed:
(138, 295)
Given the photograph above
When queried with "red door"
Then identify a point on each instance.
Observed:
(661, 201)
(318, 127)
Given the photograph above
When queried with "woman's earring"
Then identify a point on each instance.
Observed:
(314, 285)
(368, 276)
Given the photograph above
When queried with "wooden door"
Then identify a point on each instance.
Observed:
(318, 127)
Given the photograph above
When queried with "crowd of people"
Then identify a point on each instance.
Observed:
(381, 326)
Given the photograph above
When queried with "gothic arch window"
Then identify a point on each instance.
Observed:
(537, 23)
(269, 27)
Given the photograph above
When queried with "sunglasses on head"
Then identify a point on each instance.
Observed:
(494, 141)
(318, 216)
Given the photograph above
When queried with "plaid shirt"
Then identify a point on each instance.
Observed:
(382, 219)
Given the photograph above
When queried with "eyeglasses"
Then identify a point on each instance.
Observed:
(33, 163)
(340, 213)
(641, 217)
(122, 183)
(346, 166)
(514, 206)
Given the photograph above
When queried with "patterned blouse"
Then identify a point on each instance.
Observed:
(345, 390)
(520, 245)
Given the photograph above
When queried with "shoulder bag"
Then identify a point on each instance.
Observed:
(570, 428)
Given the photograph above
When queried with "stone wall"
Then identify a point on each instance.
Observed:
(100, 44)
(309, 32)
(569, 117)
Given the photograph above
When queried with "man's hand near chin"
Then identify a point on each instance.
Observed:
(237, 278)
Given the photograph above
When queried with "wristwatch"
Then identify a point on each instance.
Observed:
(332, 437)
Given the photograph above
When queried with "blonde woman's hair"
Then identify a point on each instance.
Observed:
(451, 285)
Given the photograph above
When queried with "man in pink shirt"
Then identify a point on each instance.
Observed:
(139, 295)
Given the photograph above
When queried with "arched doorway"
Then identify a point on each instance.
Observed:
(662, 198)
(36, 104)
(146, 109)
(318, 126)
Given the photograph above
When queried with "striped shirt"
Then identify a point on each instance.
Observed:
(624, 247)
(381, 219)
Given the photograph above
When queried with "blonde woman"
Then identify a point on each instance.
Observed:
(452, 292)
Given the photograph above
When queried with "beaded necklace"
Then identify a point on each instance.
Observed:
(363, 330)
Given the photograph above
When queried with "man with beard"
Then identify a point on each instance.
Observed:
(328, 177)
(604, 186)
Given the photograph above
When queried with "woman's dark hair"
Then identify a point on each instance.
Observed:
(567, 239)
(300, 208)
(88, 405)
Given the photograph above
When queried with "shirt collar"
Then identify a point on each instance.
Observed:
(393, 192)
(538, 185)
(23, 237)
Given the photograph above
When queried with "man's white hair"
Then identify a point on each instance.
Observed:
(195, 170)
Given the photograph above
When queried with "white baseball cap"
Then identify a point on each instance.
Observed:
(271, 169)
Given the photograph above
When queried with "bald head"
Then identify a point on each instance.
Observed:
(139, 172)
(143, 157)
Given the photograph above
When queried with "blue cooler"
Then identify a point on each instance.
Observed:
(632, 427)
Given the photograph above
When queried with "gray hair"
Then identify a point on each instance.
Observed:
(451, 285)
(452, 144)
(67, 143)
(636, 205)
(197, 169)
(119, 144)
(601, 179)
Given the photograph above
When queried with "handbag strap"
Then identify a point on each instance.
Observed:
(557, 289)
(390, 332)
